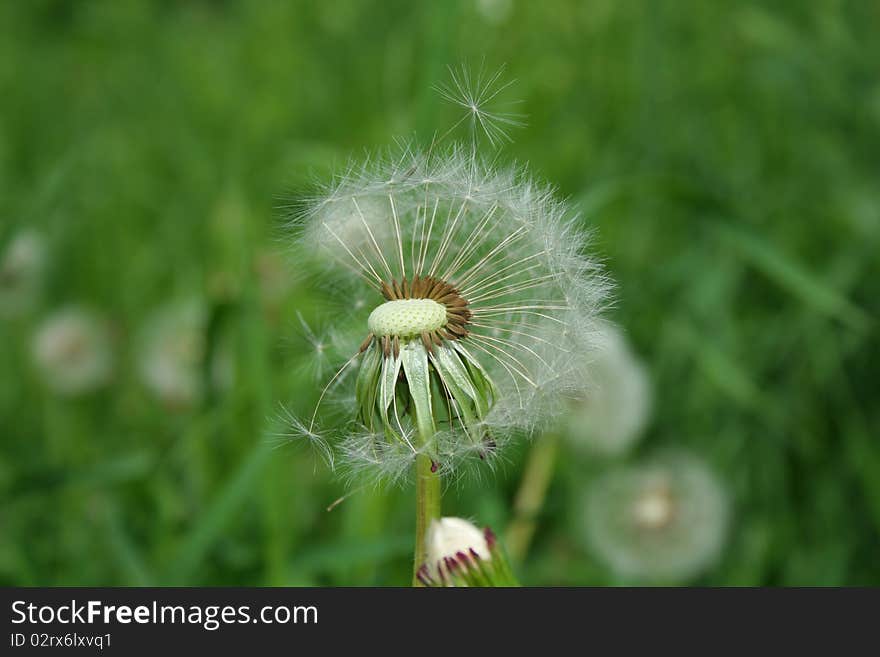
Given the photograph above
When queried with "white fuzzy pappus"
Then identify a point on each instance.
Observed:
(662, 520)
(611, 413)
(503, 254)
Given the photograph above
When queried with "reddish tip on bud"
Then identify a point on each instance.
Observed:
(424, 577)
(463, 558)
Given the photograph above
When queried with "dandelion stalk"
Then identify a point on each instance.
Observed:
(531, 494)
(427, 508)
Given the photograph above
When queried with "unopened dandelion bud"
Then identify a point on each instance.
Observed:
(461, 554)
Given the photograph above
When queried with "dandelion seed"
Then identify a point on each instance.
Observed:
(22, 270)
(320, 345)
(474, 92)
(611, 413)
(73, 351)
(297, 430)
(664, 520)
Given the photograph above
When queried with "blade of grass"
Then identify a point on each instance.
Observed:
(218, 515)
(793, 277)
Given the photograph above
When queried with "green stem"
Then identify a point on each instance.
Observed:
(530, 496)
(427, 507)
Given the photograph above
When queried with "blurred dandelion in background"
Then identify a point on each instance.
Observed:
(274, 281)
(174, 359)
(494, 11)
(73, 351)
(663, 520)
(610, 417)
(22, 273)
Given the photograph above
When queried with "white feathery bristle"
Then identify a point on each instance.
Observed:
(363, 455)
(474, 92)
(296, 430)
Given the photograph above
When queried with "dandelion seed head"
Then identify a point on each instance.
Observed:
(662, 520)
(471, 288)
(73, 351)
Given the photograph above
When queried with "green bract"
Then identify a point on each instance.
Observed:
(435, 387)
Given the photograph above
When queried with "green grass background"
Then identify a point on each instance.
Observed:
(726, 153)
